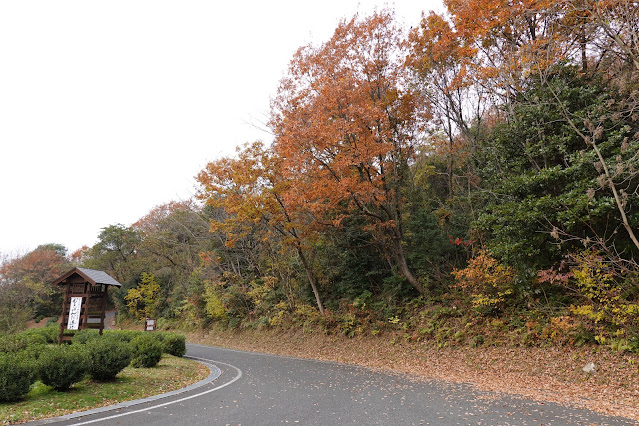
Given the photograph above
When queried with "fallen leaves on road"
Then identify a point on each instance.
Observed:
(552, 374)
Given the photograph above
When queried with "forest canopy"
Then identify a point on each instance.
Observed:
(486, 160)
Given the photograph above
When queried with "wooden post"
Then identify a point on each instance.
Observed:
(85, 302)
(65, 312)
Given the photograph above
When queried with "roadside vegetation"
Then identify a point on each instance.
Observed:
(470, 182)
(40, 379)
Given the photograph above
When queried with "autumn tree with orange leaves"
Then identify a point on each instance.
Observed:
(25, 285)
(443, 68)
(346, 126)
(250, 190)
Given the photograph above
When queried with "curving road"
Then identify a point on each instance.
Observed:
(248, 388)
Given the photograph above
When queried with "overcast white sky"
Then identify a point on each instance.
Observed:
(110, 108)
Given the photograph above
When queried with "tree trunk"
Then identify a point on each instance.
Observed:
(608, 177)
(618, 202)
(311, 279)
(449, 131)
(582, 42)
(404, 270)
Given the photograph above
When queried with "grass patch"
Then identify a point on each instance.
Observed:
(132, 383)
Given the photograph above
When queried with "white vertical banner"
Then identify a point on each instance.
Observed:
(74, 313)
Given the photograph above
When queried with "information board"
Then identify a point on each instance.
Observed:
(74, 313)
(149, 324)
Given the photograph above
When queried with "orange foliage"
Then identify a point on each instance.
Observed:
(343, 120)
(80, 254)
(345, 125)
(38, 266)
(437, 47)
(505, 40)
(152, 220)
(250, 190)
(488, 281)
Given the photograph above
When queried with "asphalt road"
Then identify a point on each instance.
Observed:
(259, 389)
(109, 319)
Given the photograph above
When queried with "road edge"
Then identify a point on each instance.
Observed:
(214, 374)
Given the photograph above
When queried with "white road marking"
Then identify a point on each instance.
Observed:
(236, 378)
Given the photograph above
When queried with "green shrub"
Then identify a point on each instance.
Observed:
(17, 375)
(50, 332)
(158, 335)
(34, 336)
(18, 342)
(85, 336)
(62, 366)
(123, 335)
(38, 336)
(32, 354)
(107, 357)
(174, 344)
(147, 351)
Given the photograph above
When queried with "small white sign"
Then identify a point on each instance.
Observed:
(150, 324)
(74, 313)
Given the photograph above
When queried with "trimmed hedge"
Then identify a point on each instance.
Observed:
(62, 366)
(25, 356)
(18, 342)
(85, 336)
(174, 344)
(123, 335)
(107, 357)
(48, 334)
(147, 351)
(17, 375)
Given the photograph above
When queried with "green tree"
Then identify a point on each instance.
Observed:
(543, 185)
(116, 252)
(172, 236)
(142, 300)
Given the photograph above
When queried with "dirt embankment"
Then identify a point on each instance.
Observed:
(551, 374)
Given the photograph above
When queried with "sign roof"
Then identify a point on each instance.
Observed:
(91, 275)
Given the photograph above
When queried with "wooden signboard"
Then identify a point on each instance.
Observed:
(149, 324)
(85, 300)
